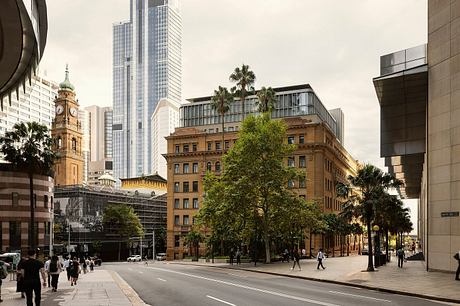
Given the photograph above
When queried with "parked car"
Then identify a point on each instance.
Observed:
(134, 258)
(365, 251)
(161, 256)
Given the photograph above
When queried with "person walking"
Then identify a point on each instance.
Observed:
(85, 266)
(401, 255)
(54, 269)
(47, 265)
(20, 278)
(91, 265)
(3, 274)
(67, 266)
(32, 269)
(74, 271)
(296, 259)
(238, 257)
(457, 274)
(231, 256)
(320, 257)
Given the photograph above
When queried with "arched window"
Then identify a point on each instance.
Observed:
(59, 142)
(217, 166)
(74, 144)
(209, 166)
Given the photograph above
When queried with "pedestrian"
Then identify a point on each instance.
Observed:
(320, 257)
(74, 271)
(286, 255)
(47, 265)
(32, 269)
(67, 266)
(296, 259)
(55, 268)
(457, 274)
(3, 274)
(238, 257)
(413, 247)
(20, 278)
(401, 255)
(91, 265)
(85, 266)
(231, 256)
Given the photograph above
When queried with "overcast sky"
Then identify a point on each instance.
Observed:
(332, 45)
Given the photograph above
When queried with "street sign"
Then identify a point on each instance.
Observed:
(450, 214)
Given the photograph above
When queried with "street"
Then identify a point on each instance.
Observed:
(174, 284)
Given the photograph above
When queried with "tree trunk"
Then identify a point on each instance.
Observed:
(370, 262)
(32, 241)
(119, 250)
(223, 144)
(242, 104)
(266, 239)
(387, 244)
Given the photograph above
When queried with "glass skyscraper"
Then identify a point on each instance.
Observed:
(146, 68)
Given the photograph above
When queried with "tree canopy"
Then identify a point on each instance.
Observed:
(122, 220)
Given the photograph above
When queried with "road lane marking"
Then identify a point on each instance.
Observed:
(292, 297)
(163, 280)
(130, 269)
(219, 300)
(360, 296)
(237, 275)
(141, 272)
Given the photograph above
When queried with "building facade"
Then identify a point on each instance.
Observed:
(15, 210)
(165, 119)
(67, 131)
(146, 68)
(35, 104)
(151, 184)
(196, 148)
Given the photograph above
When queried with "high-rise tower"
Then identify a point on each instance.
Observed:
(66, 129)
(146, 68)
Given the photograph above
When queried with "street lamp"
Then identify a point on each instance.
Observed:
(376, 229)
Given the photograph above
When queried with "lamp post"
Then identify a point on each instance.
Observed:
(153, 245)
(376, 229)
(51, 231)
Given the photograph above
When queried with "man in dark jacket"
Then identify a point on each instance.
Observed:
(457, 274)
(31, 270)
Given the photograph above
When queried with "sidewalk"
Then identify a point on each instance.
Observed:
(100, 287)
(412, 279)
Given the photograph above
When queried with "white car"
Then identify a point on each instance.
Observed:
(161, 256)
(134, 258)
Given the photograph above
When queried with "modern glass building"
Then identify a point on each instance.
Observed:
(146, 68)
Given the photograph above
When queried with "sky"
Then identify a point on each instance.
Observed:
(335, 46)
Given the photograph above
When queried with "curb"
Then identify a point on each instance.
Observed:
(418, 295)
(127, 290)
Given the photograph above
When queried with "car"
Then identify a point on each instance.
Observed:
(161, 256)
(134, 258)
(365, 251)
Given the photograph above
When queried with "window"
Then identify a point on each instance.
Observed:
(59, 142)
(176, 240)
(217, 166)
(186, 220)
(301, 139)
(227, 144)
(15, 198)
(302, 184)
(209, 146)
(218, 148)
(176, 203)
(186, 148)
(176, 187)
(302, 162)
(15, 235)
(290, 184)
(186, 187)
(185, 204)
(195, 203)
(291, 162)
(176, 219)
(177, 149)
(176, 168)
(195, 168)
(194, 147)
(290, 139)
(195, 186)
(209, 166)
(186, 168)
(74, 144)
(45, 200)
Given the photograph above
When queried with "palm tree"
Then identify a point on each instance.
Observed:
(244, 79)
(220, 102)
(266, 99)
(363, 194)
(28, 148)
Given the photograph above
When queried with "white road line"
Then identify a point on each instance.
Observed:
(130, 269)
(163, 280)
(236, 275)
(219, 300)
(360, 296)
(141, 272)
(249, 288)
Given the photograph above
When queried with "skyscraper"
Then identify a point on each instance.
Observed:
(146, 68)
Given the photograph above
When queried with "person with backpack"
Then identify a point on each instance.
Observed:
(74, 271)
(32, 269)
(3, 274)
(47, 264)
(457, 274)
(401, 255)
(54, 269)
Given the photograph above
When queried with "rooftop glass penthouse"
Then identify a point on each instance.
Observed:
(298, 100)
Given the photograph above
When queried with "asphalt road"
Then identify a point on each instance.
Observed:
(173, 284)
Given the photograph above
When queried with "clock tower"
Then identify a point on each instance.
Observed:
(66, 130)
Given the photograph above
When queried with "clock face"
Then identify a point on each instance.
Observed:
(59, 109)
(73, 111)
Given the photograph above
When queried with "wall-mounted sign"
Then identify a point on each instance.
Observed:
(450, 214)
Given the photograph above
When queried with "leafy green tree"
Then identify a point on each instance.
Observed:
(244, 79)
(266, 100)
(194, 238)
(121, 219)
(28, 147)
(220, 102)
(363, 195)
